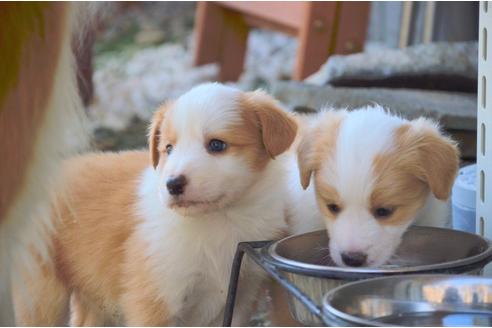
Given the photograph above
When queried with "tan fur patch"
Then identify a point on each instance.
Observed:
(326, 194)
(94, 216)
(422, 160)
(265, 130)
(160, 130)
(438, 156)
(95, 223)
(316, 144)
(397, 188)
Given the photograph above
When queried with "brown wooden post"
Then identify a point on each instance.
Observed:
(234, 42)
(316, 36)
(209, 26)
(352, 27)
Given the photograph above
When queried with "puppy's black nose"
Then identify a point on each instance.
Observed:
(176, 185)
(354, 259)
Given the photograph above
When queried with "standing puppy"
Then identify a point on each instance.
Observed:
(153, 245)
(369, 173)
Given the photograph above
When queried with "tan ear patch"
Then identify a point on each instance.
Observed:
(155, 133)
(436, 157)
(278, 129)
(317, 142)
(307, 157)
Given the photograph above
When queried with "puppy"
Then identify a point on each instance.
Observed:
(367, 175)
(146, 245)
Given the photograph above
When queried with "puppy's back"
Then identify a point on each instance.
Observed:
(96, 208)
(93, 216)
(96, 216)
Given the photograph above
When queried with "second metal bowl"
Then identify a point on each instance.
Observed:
(411, 300)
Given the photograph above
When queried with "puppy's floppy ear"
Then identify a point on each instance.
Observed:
(438, 156)
(306, 158)
(155, 133)
(319, 139)
(278, 128)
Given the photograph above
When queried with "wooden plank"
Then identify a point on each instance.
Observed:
(315, 37)
(285, 14)
(233, 46)
(253, 21)
(352, 27)
(209, 26)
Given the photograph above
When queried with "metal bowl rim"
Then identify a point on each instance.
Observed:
(330, 310)
(322, 270)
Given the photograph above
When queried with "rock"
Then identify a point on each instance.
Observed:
(457, 111)
(435, 66)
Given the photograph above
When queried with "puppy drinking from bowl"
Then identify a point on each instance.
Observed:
(152, 244)
(368, 173)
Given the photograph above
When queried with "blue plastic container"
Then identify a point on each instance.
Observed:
(463, 199)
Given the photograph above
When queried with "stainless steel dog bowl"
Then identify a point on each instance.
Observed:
(305, 261)
(411, 300)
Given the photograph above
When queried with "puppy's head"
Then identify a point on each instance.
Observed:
(372, 173)
(213, 143)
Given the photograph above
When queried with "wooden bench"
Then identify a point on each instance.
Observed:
(322, 28)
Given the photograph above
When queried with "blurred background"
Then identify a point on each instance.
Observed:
(417, 58)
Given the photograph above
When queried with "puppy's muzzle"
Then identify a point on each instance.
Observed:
(176, 185)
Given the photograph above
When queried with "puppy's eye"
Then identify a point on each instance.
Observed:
(383, 212)
(169, 149)
(334, 208)
(216, 146)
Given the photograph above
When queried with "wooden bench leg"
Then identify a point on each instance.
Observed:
(316, 38)
(221, 37)
(209, 25)
(234, 42)
(352, 27)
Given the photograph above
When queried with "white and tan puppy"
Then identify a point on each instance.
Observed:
(368, 174)
(141, 244)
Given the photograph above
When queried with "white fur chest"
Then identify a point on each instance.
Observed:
(191, 257)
